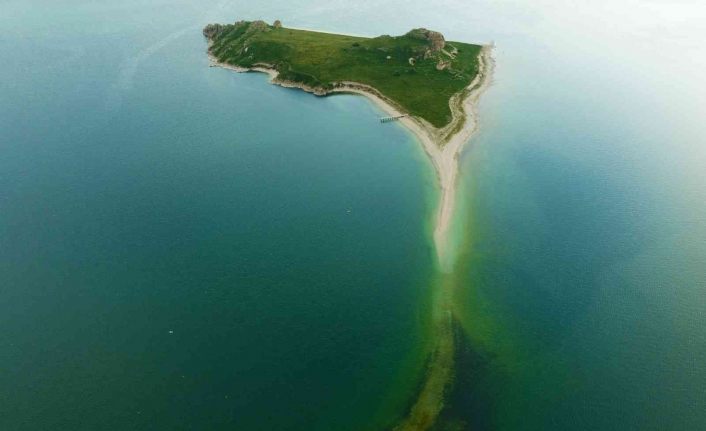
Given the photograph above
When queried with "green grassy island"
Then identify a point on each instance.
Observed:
(431, 86)
(419, 72)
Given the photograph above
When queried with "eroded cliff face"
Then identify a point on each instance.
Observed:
(211, 30)
(258, 25)
(436, 40)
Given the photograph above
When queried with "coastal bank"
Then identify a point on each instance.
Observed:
(443, 144)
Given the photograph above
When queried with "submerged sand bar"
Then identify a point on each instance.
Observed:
(443, 146)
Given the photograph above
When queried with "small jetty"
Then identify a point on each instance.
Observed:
(389, 119)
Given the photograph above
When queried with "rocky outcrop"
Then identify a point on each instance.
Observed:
(258, 25)
(211, 30)
(277, 24)
(441, 65)
(436, 40)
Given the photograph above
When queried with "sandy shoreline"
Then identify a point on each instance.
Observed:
(443, 146)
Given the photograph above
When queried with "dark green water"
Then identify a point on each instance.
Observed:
(186, 248)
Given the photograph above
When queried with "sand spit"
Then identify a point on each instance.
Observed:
(443, 145)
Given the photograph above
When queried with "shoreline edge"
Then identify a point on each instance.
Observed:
(443, 145)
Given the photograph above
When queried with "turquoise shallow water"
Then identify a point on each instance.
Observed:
(283, 239)
(583, 269)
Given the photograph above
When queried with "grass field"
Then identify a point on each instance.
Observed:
(322, 59)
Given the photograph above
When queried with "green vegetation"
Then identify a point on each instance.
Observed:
(418, 71)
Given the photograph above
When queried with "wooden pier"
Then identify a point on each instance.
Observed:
(389, 119)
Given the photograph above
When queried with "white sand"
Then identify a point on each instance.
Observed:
(443, 146)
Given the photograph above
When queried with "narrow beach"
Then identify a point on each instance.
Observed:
(443, 146)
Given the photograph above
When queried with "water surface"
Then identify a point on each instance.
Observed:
(188, 248)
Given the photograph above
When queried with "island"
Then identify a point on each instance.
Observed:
(419, 72)
(419, 79)
(427, 83)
